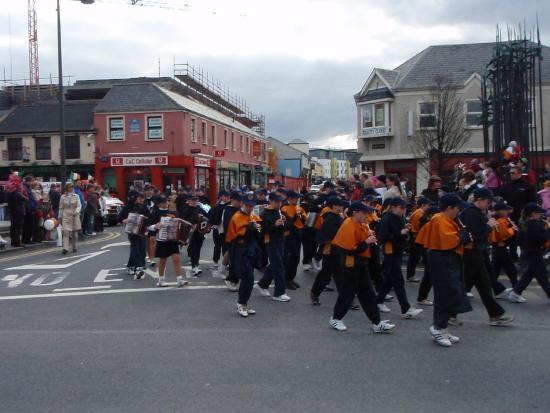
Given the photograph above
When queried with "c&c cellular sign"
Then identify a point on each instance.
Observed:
(139, 160)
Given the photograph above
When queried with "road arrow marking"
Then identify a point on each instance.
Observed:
(82, 257)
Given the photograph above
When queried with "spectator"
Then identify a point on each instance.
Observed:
(29, 222)
(544, 195)
(17, 205)
(517, 193)
(545, 176)
(90, 210)
(69, 217)
(3, 203)
(527, 173)
(470, 184)
(394, 188)
(432, 191)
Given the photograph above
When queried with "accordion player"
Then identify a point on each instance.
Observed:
(174, 229)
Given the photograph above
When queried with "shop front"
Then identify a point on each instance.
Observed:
(245, 174)
(227, 174)
(260, 175)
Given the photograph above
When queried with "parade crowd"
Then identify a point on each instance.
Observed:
(353, 232)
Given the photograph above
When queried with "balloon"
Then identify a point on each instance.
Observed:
(50, 224)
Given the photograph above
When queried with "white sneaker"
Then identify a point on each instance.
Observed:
(231, 286)
(425, 302)
(316, 264)
(440, 337)
(503, 294)
(388, 297)
(469, 295)
(129, 271)
(250, 311)
(383, 308)
(382, 327)
(242, 310)
(196, 271)
(161, 282)
(452, 339)
(264, 292)
(514, 297)
(282, 298)
(338, 325)
(180, 282)
(138, 273)
(412, 313)
(307, 267)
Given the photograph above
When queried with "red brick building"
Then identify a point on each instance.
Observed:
(151, 130)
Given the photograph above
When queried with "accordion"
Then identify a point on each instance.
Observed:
(174, 229)
(310, 221)
(203, 226)
(136, 224)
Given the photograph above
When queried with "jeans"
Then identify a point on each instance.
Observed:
(393, 277)
(535, 269)
(441, 318)
(194, 248)
(137, 251)
(16, 228)
(292, 249)
(244, 271)
(330, 267)
(476, 275)
(309, 244)
(276, 269)
(351, 282)
(90, 218)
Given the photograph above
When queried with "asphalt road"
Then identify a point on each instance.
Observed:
(77, 335)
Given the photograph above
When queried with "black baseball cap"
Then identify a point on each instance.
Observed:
(235, 195)
(359, 207)
(451, 200)
(335, 201)
(274, 197)
(533, 207)
(483, 193)
(223, 192)
(293, 194)
(423, 201)
(248, 201)
(502, 206)
(396, 201)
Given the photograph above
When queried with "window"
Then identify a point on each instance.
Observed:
(367, 116)
(427, 116)
(154, 128)
(72, 147)
(233, 148)
(203, 133)
(43, 146)
(247, 145)
(242, 143)
(379, 114)
(193, 130)
(116, 129)
(213, 135)
(225, 142)
(15, 149)
(473, 113)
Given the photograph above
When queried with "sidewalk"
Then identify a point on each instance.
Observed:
(44, 244)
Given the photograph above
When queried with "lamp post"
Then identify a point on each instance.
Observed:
(62, 96)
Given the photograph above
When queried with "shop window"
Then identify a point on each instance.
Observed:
(43, 146)
(15, 149)
(116, 129)
(213, 134)
(203, 134)
(154, 128)
(72, 147)
(427, 115)
(473, 113)
(193, 130)
(374, 115)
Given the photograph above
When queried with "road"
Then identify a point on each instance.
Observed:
(76, 334)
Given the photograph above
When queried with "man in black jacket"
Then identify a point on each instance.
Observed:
(517, 193)
(215, 219)
(476, 273)
(190, 213)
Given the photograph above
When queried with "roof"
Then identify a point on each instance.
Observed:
(284, 151)
(298, 141)
(135, 97)
(375, 94)
(43, 118)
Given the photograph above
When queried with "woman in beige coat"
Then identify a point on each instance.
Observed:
(69, 217)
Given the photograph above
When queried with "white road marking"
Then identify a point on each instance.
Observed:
(151, 273)
(118, 291)
(14, 279)
(83, 257)
(102, 275)
(59, 277)
(115, 244)
(99, 287)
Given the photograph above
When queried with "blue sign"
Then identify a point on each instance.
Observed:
(135, 126)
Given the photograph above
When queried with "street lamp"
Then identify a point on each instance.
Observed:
(62, 96)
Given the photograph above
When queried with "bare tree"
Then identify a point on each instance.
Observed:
(443, 132)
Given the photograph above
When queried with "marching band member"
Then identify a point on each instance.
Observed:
(426, 282)
(504, 230)
(331, 261)
(190, 213)
(443, 239)
(392, 233)
(373, 220)
(151, 240)
(215, 218)
(476, 272)
(242, 234)
(273, 228)
(138, 243)
(295, 219)
(536, 234)
(165, 249)
(235, 201)
(415, 250)
(352, 243)
(309, 243)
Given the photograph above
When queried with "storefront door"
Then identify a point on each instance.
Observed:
(202, 178)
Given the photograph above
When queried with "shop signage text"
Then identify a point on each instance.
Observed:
(202, 162)
(139, 160)
(219, 154)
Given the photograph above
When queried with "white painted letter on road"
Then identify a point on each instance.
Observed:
(102, 275)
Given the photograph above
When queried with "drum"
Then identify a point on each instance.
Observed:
(136, 224)
(310, 221)
(174, 229)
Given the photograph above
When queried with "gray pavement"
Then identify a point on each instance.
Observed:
(76, 334)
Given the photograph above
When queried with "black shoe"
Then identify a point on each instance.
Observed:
(65, 252)
(295, 284)
(314, 299)
(290, 285)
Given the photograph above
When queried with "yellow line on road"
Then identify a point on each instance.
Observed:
(22, 254)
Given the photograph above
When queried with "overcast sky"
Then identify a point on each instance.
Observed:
(299, 62)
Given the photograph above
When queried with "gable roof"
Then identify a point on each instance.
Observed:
(43, 118)
(298, 141)
(135, 97)
(284, 151)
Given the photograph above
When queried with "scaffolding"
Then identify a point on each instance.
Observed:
(512, 96)
(203, 88)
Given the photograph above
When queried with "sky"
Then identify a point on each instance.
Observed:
(298, 62)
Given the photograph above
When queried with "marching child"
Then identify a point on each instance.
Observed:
(414, 248)
(295, 220)
(138, 243)
(504, 230)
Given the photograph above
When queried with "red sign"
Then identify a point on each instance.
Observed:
(202, 162)
(256, 148)
(219, 154)
(139, 160)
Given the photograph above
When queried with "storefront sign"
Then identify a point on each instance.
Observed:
(244, 167)
(228, 165)
(139, 160)
(202, 162)
(376, 131)
(378, 146)
(256, 148)
(135, 126)
(258, 168)
(219, 154)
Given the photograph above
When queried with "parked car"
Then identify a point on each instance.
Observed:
(112, 207)
(314, 188)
